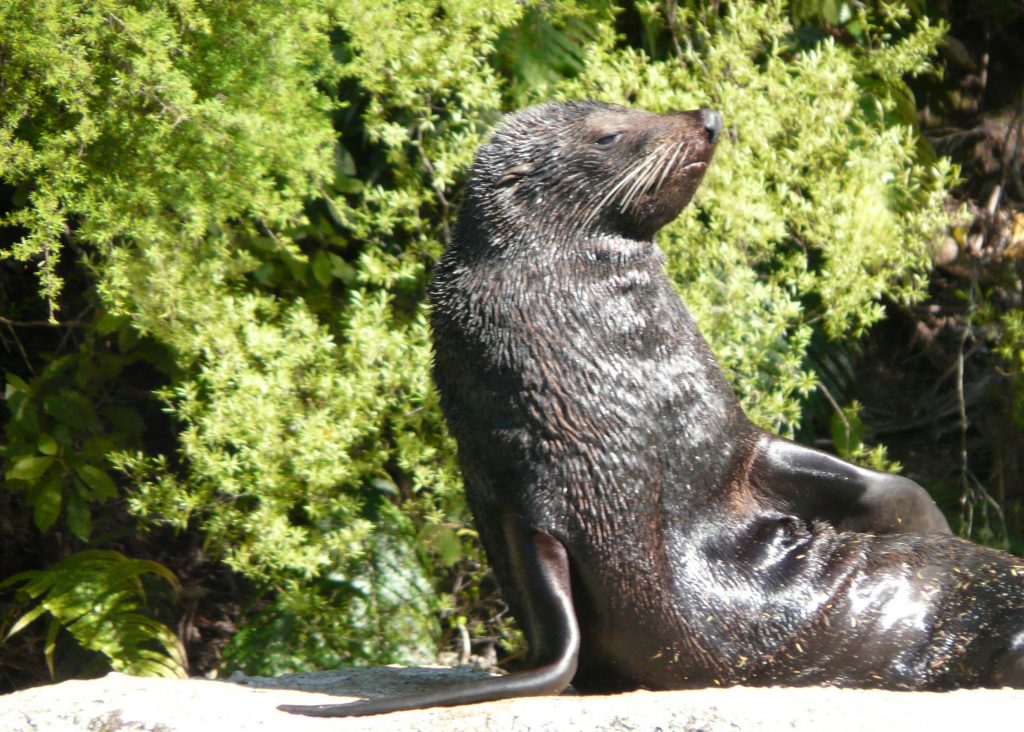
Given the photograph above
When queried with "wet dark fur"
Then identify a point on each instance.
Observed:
(585, 401)
(644, 532)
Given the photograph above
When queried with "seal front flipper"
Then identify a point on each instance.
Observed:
(815, 485)
(541, 567)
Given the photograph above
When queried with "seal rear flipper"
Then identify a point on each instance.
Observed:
(815, 485)
(541, 566)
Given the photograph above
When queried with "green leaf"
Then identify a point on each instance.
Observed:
(47, 445)
(103, 487)
(443, 541)
(16, 384)
(266, 274)
(343, 270)
(124, 419)
(58, 366)
(26, 620)
(62, 434)
(79, 517)
(96, 448)
(848, 433)
(384, 484)
(351, 186)
(830, 12)
(108, 323)
(71, 409)
(322, 268)
(29, 468)
(25, 414)
(46, 499)
(35, 582)
(127, 338)
(332, 209)
(50, 644)
(344, 165)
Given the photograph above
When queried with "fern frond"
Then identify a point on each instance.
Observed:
(95, 595)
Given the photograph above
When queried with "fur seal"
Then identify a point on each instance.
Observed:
(644, 532)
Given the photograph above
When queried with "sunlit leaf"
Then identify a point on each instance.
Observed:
(29, 468)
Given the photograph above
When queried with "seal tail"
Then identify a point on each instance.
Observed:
(548, 679)
(542, 564)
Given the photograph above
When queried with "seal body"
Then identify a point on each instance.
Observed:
(587, 405)
(644, 532)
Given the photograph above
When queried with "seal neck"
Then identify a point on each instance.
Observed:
(487, 233)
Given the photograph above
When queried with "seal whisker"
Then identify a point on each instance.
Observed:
(610, 194)
(642, 185)
(637, 175)
(671, 163)
(667, 162)
(619, 184)
(658, 174)
(650, 165)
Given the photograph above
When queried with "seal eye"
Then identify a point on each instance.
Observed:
(606, 141)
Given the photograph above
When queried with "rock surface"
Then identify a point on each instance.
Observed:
(119, 703)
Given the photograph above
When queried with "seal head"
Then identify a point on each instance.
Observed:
(589, 169)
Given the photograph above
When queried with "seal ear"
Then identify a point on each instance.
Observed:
(516, 172)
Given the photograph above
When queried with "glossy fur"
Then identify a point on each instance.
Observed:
(645, 533)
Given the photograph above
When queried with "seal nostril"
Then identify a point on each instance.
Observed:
(713, 124)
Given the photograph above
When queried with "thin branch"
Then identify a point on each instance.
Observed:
(43, 323)
(967, 495)
(68, 331)
(974, 492)
(21, 349)
(1011, 158)
(670, 18)
(465, 646)
(835, 405)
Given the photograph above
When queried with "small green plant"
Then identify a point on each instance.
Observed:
(96, 596)
(847, 430)
(64, 422)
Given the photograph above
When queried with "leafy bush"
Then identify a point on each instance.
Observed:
(185, 153)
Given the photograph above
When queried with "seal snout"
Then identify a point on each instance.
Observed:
(713, 124)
